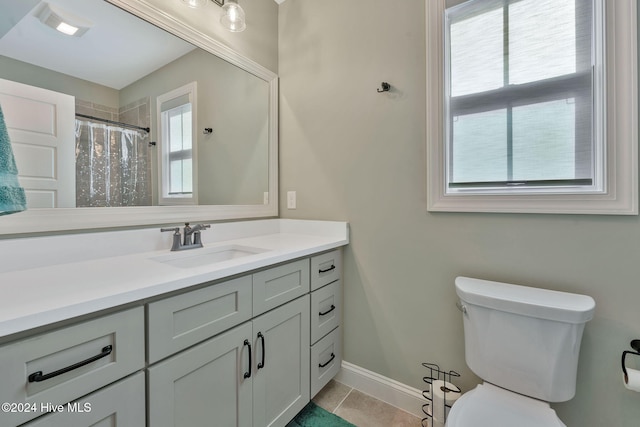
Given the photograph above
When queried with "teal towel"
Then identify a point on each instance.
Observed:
(12, 197)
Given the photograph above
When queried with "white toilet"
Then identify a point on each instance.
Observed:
(524, 343)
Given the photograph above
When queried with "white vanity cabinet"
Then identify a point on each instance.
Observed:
(247, 351)
(255, 374)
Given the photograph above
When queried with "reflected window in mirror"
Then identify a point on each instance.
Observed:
(176, 116)
(177, 122)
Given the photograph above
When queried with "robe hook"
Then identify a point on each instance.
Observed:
(386, 87)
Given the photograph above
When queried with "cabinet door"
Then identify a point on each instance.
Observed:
(119, 405)
(281, 385)
(204, 385)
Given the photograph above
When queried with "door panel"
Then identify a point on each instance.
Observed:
(41, 125)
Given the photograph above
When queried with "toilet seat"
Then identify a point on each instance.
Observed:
(491, 406)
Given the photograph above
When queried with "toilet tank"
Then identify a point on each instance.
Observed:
(524, 339)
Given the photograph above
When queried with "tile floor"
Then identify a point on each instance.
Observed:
(361, 409)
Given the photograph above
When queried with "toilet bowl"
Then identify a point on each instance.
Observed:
(524, 343)
(491, 406)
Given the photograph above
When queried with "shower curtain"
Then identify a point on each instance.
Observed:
(113, 167)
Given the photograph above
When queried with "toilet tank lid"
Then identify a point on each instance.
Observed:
(525, 300)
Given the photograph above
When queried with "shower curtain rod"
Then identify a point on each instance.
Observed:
(111, 122)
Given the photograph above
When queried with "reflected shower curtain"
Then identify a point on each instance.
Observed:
(113, 167)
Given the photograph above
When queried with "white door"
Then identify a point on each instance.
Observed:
(41, 126)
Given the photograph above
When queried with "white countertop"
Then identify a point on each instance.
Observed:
(64, 278)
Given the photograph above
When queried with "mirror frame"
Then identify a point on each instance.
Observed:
(67, 219)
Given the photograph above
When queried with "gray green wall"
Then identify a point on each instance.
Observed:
(33, 75)
(355, 155)
(233, 160)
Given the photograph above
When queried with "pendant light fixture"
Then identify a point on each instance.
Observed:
(232, 17)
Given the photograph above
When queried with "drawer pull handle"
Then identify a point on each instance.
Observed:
(261, 364)
(37, 377)
(248, 374)
(333, 267)
(333, 356)
(333, 307)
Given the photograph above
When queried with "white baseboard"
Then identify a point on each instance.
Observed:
(382, 388)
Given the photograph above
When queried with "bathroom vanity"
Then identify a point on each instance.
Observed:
(243, 331)
(113, 328)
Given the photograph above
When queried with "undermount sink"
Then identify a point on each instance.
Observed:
(198, 257)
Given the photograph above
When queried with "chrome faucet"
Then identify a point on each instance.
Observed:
(187, 242)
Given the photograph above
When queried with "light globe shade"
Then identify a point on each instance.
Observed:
(232, 17)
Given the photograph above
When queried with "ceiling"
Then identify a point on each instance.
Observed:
(116, 40)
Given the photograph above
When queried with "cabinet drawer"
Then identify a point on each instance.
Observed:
(119, 405)
(326, 310)
(279, 285)
(325, 268)
(72, 361)
(326, 360)
(178, 322)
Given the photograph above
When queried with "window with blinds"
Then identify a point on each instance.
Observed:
(524, 90)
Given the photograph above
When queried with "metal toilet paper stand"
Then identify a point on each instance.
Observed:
(635, 344)
(435, 374)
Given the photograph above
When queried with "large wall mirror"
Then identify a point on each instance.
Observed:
(135, 119)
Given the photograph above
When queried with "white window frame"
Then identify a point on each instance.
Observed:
(619, 195)
(164, 198)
